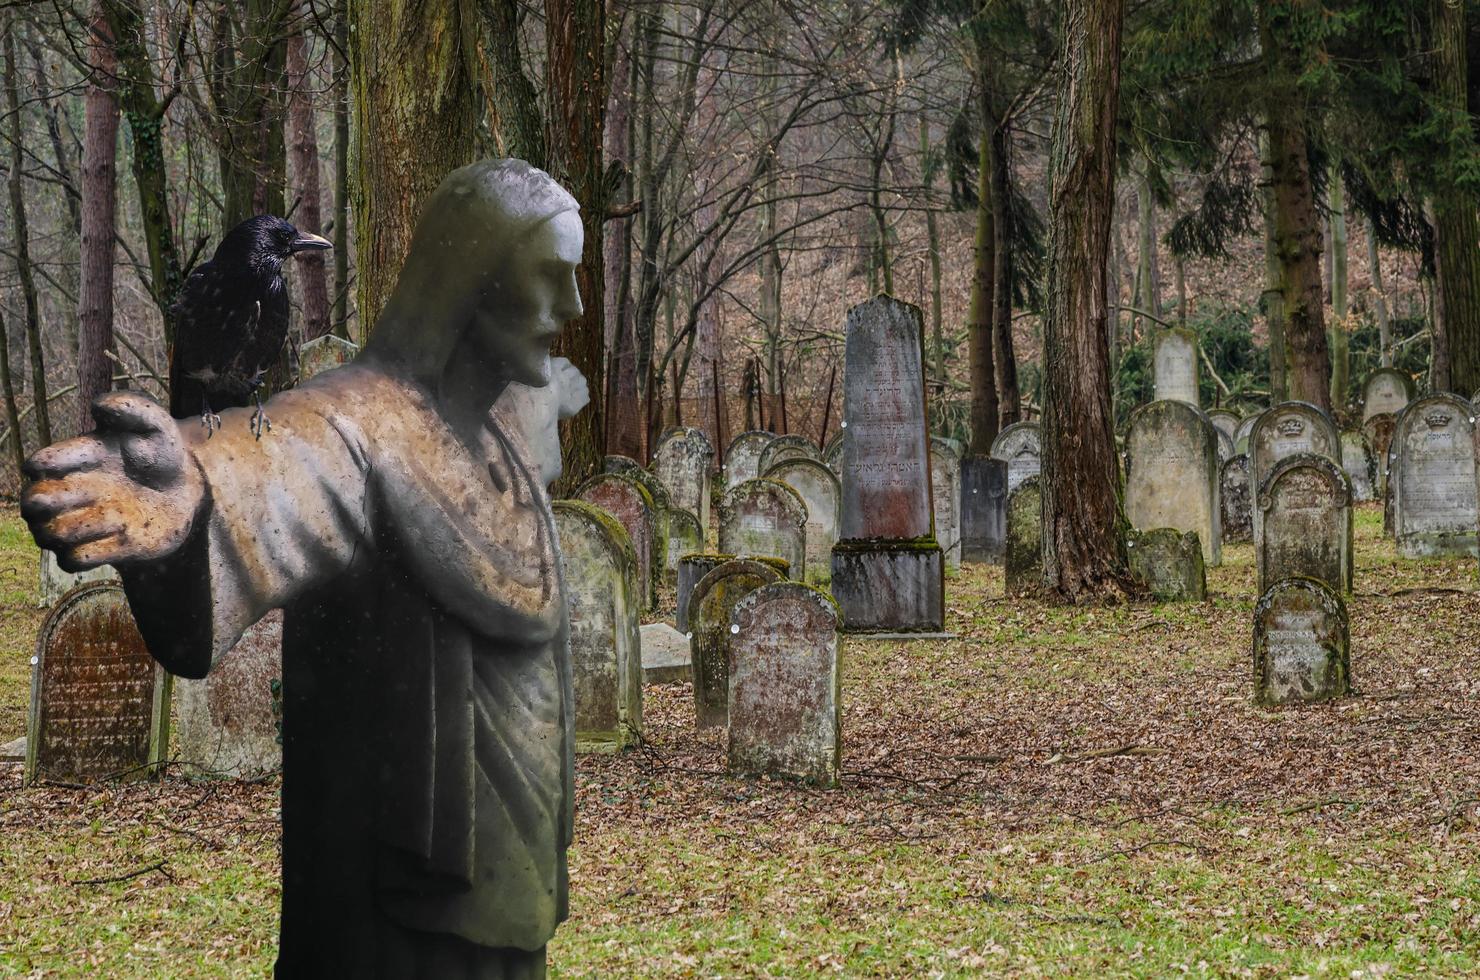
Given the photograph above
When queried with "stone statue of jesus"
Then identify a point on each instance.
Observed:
(405, 531)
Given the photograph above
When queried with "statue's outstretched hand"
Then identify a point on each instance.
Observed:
(128, 492)
(570, 384)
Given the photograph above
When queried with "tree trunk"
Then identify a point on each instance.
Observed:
(7, 387)
(1456, 216)
(513, 105)
(71, 193)
(1379, 299)
(1084, 554)
(99, 205)
(980, 336)
(1004, 356)
(1148, 296)
(1340, 339)
(341, 172)
(623, 406)
(21, 240)
(1273, 296)
(416, 107)
(932, 244)
(247, 83)
(304, 146)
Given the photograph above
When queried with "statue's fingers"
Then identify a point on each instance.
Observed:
(43, 501)
(64, 458)
(130, 411)
(101, 551)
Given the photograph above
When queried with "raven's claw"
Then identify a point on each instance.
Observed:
(260, 422)
(209, 419)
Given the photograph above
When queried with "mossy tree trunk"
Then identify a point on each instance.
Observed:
(1456, 213)
(99, 207)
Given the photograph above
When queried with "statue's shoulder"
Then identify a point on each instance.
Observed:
(372, 397)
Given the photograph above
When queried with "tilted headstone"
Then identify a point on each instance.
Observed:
(1306, 529)
(227, 723)
(823, 496)
(684, 537)
(888, 573)
(983, 509)
(764, 517)
(1242, 433)
(632, 506)
(782, 448)
(324, 354)
(743, 456)
(710, 634)
(1225, 446)
(1169, 563)
(1020, 447)
(682, 461)
(1433, 478)
(100, 705)
(833, 454)
(945, 488)
(604, 602)
(1378, 431)
(1301, 644)
(56, 583)
(785, 695)
(1022, 559)
(691, 570)
(1284, 430)
(1175, 365)
(663, 516)
(1236, 500)
(1172, 473)
(1360, 466)
(1225, 422)
(1386, 391)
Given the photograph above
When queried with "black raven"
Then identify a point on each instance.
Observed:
(231, 321)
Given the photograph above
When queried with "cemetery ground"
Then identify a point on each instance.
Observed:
(1059, 791)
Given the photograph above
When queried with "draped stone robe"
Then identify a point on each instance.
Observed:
(427, 720)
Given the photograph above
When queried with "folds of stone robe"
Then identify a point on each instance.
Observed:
(427, 716)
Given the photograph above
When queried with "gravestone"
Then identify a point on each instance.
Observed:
(888, 573)
(1284, 430)
(1236, 500)
(945, 489)
(1387, 391)
(1172, 473)
(604, 601)
(682, 462)
(100, 705)
(823, 495)
(1169, 563)
(1175, 365)
(1301, 644)
(227, 723)
(1225, 446)
(1242, 433)
(1225, 422)
(629, 502)
(765, 517)
(1361, 468)
(782, 448)
(983, 509)
(1433, 478)
(1307, 526)
(710, 619)
(1022, 559)
(832, 456)
(1019, 446)
(56, 583)
(324, 354)
(691, 570)
(785, 696)
(743, 456)
(665, 655)
(663, 515)
(624, 466)
(1378, 431)
(684, 537)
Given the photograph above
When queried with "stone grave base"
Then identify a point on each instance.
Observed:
(983, 509)
(889, 587)
(665, 655)
(1457, 544)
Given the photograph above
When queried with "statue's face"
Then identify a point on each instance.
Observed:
(537, 295)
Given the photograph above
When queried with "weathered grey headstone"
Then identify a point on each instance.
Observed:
(1386, 391)
(56, 583)
(945, 488)
(823, 495)
(1175, 365)
(764, 517)
(1242, 433)
(1169, 563)
(1019, 446)
(782, 448)
(1236, 499)
(665, 655)
(1172, 473)
(100, 705)
(983, 509)
(1378, 431)
(604, 601)
(1022, 559)
(710, 608)
(682, 461)
(227, 723)
(324, 354)
(1433, 478)
(1301, 644)
(888, 573)
(1360, 466)
(1225, 422)
(785, 696)
(629, 502)
(833, 454)
(1225, 446)
(1284, 430)
(663, 516)
(743, 456)
(692, 569)
(1307, 525)
(684, 537)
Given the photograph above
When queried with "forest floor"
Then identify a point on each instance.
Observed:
(1059, 791)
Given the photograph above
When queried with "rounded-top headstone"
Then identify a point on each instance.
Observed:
(1172, 473)
(1236, 499)
(631, 505)
(1432, 477)
(1306, 530)
(822, 494)
(1360, 465)
(1169, 563)
(765, 517)
(832, 455)
(1386, 390)
(1244, 430)
(682, 461)
(743, 456)
(1378, 431)
(710, 606)
(1284, 430)
(1227, 422)
(1020, 447)
(1301, 643)
(783, 448)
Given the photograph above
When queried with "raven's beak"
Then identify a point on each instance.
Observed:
(309, 243)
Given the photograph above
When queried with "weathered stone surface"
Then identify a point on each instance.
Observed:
(1236, 499)
(1284, 430)
(1225, 422)
(1175, 365)
(1172, 473)
(889, 586)
(983, 509)
(682, 460)
(1023, 557)
(1360, 466)
(691, 570)
(821, 491)
(1225, 446)
(1386, 391)
(710, 608)
(663, 511)
(743, 456)
(56, 583)
(1169, 563)
(602, 585)
(1307, 526)
(632, 506)
(783, 448)
(833, 454)
(227, 724)
(665, 655)
(764, 517)
(684, 538)
(99, 703)
(1378, 431)
(1433, 478)
(1301, 646)
(945, 490)
(1019, 446)
(784, 691)
(324, 354)
(1242, 433)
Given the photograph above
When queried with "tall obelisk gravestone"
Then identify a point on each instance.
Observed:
(888, 573)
